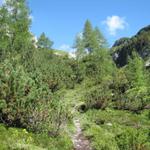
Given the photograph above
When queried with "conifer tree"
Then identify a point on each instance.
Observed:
(136, 71)
(44, 42)
(18, 24)
(16, 36)
(100, 38)
(137, 96)
(79, 46)
(4, 37)
(89, 38)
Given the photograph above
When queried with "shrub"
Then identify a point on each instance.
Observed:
(98, 97)
(101, 139)
(133, 139)
(27, 102)
(137, 98)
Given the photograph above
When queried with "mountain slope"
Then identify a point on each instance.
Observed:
(123, 48)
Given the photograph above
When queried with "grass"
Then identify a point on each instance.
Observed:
(117, 130)
(18, 139)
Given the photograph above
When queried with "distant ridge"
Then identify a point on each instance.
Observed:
(123, 48)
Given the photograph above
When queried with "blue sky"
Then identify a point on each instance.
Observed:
(61, 20)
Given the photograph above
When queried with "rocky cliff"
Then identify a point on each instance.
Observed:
(123, 48)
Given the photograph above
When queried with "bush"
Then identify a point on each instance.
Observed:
(98, 97)
(27, 102)
(17, 91)
(137, 98)
(133, 139)
(101, 139)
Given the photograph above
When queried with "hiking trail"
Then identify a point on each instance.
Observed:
(79, 140)
(73, 98)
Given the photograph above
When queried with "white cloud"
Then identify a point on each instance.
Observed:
(115, 23)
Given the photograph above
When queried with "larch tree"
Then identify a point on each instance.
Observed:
(138, 95)
(18, 24)
(17, 37)
(100, 38)
(4, 36)
(44, 42)
(89, 38)
(79, 46)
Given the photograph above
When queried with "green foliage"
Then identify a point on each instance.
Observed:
(100, 38)
(89, 41)
(101, 139)
(15, 35)
(44, 42)
(99, 70)
(136, 71)
(134, 139)
(114, 129)
(30, 77)
(79, 45)
(99, 65)
(26, 102)
(4, 38)
(18, 24)
(89, 37)
(98, 97)
(57, 71)
(137, 98)
(119, 87)
(138, 93)
(130, 87)
(13, 138)
(34, 79)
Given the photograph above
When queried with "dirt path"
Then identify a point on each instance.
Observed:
(80, 142)
(73, 99)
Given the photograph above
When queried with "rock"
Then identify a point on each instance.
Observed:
(80, 142)
(109, 124)
(123, 48)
